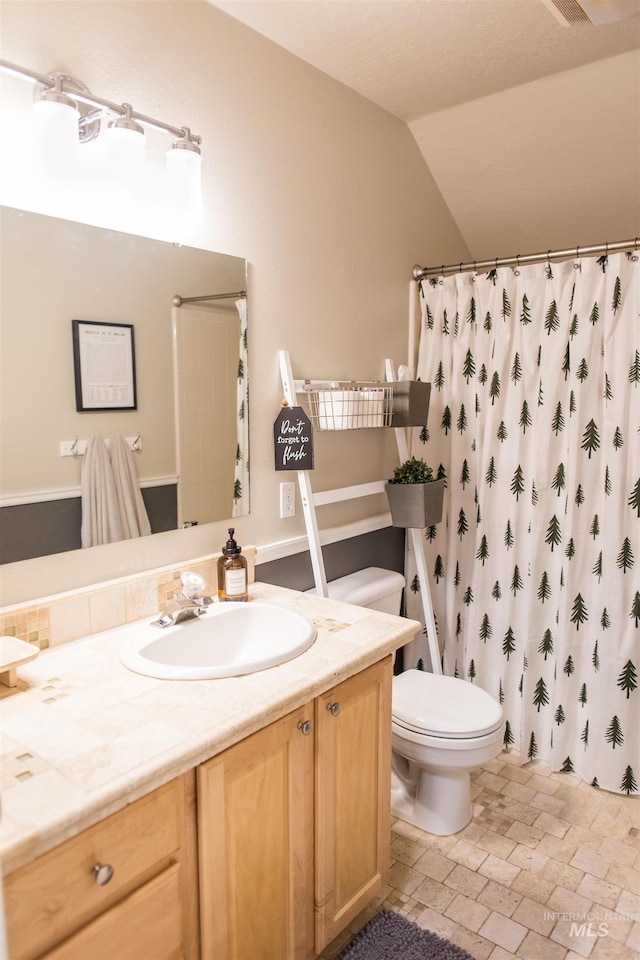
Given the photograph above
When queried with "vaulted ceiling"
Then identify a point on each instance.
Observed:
(416, 57)
(530, 127)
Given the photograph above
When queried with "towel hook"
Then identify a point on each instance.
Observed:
(74, 448)
(137, 443)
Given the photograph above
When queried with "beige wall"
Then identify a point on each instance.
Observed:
(326, 195)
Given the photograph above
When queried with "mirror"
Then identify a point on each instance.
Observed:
(192, 408)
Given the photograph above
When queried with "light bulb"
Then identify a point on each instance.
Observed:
(184, 178)
(56, 134)
(124, 145)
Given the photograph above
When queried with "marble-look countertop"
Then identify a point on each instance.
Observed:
(83, 736)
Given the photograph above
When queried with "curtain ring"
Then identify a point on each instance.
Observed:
(460, 267)
(517, 268)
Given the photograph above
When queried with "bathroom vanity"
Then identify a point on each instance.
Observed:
(248, 816)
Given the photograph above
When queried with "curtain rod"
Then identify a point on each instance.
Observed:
(420, 272)
(240, 295)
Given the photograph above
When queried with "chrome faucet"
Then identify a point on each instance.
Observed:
(188, 604)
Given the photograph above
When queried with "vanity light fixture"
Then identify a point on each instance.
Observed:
(56, 119)
(125, 138)
(184, 166)
(69, 115)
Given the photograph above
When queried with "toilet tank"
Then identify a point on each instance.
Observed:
(372, 587)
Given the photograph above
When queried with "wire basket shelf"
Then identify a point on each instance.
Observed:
(349, 405)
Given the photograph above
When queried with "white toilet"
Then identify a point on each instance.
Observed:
(441, 727)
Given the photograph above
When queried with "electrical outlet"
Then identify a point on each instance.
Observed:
(287, 500)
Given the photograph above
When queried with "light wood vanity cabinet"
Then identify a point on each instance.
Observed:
(266, 843)
(255, 837)
(352, 798)
(290, 842)
(59, 906)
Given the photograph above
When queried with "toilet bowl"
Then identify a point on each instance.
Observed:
(442, 727)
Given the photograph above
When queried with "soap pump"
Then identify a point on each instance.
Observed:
(232, 571)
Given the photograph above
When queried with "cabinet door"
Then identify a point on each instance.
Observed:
(255, 830)
(353, 797)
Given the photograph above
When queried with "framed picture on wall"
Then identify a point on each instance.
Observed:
(104, 363)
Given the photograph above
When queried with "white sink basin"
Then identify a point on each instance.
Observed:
(229, 640)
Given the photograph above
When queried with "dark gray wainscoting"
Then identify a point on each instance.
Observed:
(381, 548)
(53, 526)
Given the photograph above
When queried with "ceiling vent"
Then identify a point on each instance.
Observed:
(573, 13)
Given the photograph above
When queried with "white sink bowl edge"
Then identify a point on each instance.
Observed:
(229, 640)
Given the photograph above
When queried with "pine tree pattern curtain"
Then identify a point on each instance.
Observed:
(241, 471)
(534, 422)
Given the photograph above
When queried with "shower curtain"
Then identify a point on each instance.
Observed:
(241, 472)
(534, 422)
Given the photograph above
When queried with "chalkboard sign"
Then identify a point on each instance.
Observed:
(293, 440)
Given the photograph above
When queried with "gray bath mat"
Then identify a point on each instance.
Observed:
(389, 936)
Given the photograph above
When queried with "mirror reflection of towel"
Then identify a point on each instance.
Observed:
(101, 521)
(133, 513)
(112, 505)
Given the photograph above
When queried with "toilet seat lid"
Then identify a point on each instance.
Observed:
(443, 706)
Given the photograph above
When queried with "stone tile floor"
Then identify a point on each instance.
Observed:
(548, 869)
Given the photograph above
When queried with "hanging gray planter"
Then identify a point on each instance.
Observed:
(415, 504)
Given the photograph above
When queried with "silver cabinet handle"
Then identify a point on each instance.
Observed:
(305, 727)
(102, 872)
(334, 708)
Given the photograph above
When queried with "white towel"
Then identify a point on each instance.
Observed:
(133, 513)
(101, 521)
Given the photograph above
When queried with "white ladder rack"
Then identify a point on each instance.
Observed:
(311, 500)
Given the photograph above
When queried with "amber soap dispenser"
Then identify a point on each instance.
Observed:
(232, 571)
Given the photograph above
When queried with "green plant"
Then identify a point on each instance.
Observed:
(413, 471)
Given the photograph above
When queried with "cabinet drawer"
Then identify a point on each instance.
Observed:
(56, 894)
(147, 923)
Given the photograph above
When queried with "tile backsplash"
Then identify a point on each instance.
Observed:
(54, 620)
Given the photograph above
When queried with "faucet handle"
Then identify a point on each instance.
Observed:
(192, 584)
